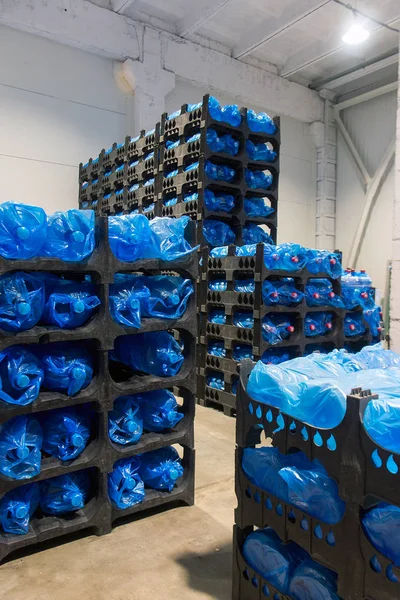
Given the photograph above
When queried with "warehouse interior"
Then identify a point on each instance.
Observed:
(78, 76)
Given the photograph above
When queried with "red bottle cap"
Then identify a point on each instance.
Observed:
(331, 294)
(294, 295)
(364, 295)
(274, 294)
(352, 327)
(328, 325)
(312, 327)
(333, 261)
(290, 328)
(295, 259)
(316, 295)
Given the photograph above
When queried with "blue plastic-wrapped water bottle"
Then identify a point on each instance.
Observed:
(66, 433)
(258, 179)
(354, 325)
(155, 353)
(69, 304)
(21, 376)
(70, 235)
(23, 230)
(219, 172)
(125, 422)
(64, 494)
(20, 444)
(260, 123)
(318, 323)
(222, 143)
(125, 486)
(21, 301)
(17, 508)
(215, 380)
(218, 233)
(255, 234)
(67, 369)
(161, 469)
(130, 237)
(218, 201)
(229, 113)
(216, 348)
(160, 410)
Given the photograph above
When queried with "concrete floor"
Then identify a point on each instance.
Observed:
(180, 554)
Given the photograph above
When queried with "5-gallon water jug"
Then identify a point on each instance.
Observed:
(67, 369)
(17, 508)
(70, 235)
(23, 230)
(69, 304)
(66, 433)
(156, 353)
(20, 444)
(161, 469)
(64, 494)
(125, 422)
(21, 376)
(160, 410)
(21, 301)
(125, 486)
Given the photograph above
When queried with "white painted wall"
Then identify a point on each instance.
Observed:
(297, 199)
(59, 106)
(372, 127)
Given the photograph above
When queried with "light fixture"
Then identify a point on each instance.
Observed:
(356, 34)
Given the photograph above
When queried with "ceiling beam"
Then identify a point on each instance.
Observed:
(121, 6)
(270, 28)
(385, 89)
(319, 50)
(198, 16)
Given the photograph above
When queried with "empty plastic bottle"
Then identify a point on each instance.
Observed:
(319, 292)
(64, 494)
(285, 257)
(125, 486)
(216, 348)
(229, 113)
(23, 230)
(260, 123)
(217, 316)
(218, 233)
(129, 236)
(20, 443)
(323, 261)
(160, 410)
(244, 285)
(69, 304)
(242, 351)
(219, 172)
(258, 179)
(277, 328)
(215, 380)
(260, 151)
(70, 235)
(67, 369)
(125, 422)
(66, 433)
(17, 508)
(243, 319)
(222, 143)
(21, 301)
(283, 293)
(257, 207)
(319, 323)
(21, 376)
(218, 285)
(255, 234)
(161, 469)
(155, 353)
(354, 324)
(218, 201)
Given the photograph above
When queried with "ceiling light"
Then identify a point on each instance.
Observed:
(356, 34)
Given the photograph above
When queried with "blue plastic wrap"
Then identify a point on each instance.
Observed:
(277, 327)
(70, 235)
(218, 285)
(257, 207)
(354, 324)
(242, 351)
(20, 444)
(281, 292)
(125, 486)
(218, 201)
(319, 292)
(129, 236)
(312, 581)
(155, 353)
(69, 304)
(160, 469)
(21, 301)
(255, 234)
(21, 376)
(318, 323)
(172, 173)
(285, 257)
(67, 369)
(66, 433)
(64, 494)
(170, 201)
(376, 357)
(171, 143)
(191, 197)
(295, 480)
(381, 525)
(17, 508)
(270, 558)
(323, 261)
(125, 307)
(382, 421)
(160, 410)
(260, 151)
(260, 123)
(218, 233)
(169, 242)
(125, 421)
(218, 316)
(23, 230)
(222, 143)
(258, 179)
(216, 348)
(219, 252)
(219, 172)
(244, 285)
(275, 357)
(215, 380)
(229, 113)
(243, 318)
(246, 250)
(373, 317)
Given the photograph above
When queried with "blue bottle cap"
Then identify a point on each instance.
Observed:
(75, 498)
(22, 380)
(78, 306)
(76, 440)
(133, 238)
(130, 425)
(21, 510)
(129, 483)
(77, 237)
(23, 308)
(173, 299)
(23, 233)
(171, 415)
(78, 373)
(22, 452)
(174, 474)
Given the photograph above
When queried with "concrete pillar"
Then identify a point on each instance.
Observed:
(324, 135)
(395, 279)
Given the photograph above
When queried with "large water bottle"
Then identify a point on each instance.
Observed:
(65, 433)
(260, 123)
(125, 422)
(229, 113)
(276, 328)
(319, 292)
(130, 237)
(257, 207)
(323, 261)
(218, 201)
(125, 486)
(17, 508)
(168, 239)
(20, 444)
(155, 353)
(319, 323)
(311, 580)
(216, 348)
(160, 410)
(222, 143)
(354, 324)
(255, 234)
(64, 494)
(69, 304)
(161, 469)
(285, 257)
(71, 235)
(21, 301)
(215, 380)
(67, 369)
(218, 233)
(21, 376)
(219, 172)
(282, 292)
(23, 230)
(258, 179)
(260, 151)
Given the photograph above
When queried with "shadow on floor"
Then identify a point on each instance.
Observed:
(210, 573)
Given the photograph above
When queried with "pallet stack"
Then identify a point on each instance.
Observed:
(108, 384)
(366, 474)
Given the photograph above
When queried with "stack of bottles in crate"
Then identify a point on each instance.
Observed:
(324, 496)
(271, 303)
(97, 369)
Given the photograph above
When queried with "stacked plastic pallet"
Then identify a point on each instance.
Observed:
(96, 398)
(122, 179)
(318, 511)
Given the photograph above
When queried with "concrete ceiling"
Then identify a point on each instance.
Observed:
(301, 39)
